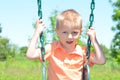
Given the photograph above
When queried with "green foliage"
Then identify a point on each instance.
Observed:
(106, 51)
(116, 15)
(13, 50)
(115, 46)
(51, 30)
(23, 50)
(0, 28)
(6, 49)
(81, 43)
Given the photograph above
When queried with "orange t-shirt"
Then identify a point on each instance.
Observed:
(63, 65)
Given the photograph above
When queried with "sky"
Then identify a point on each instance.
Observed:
(17, 17)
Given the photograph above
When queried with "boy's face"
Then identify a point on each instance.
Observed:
(68, 35)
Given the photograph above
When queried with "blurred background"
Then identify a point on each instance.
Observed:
(17, 24)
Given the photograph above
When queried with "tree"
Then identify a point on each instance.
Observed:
(0, 28)
(51, 30)
(7, 49)
(115, 46)
(4, 48)
(23, 50)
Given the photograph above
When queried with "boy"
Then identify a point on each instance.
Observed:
(66, 58)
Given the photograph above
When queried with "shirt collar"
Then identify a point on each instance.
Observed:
(78, 49)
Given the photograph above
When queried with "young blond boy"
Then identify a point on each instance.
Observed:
(66, 58)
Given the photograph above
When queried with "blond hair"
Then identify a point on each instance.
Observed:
(69, 18)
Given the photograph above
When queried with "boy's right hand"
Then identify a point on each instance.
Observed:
(40, 26)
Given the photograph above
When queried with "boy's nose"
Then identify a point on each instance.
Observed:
(70, 36)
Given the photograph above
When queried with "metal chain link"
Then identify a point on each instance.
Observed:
(91, 19)
(42, 43)
(42, 35)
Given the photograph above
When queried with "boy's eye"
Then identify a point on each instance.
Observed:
(74, 32)
(64, 32)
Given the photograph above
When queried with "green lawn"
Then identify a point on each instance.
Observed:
(105, 72)
(24, 69)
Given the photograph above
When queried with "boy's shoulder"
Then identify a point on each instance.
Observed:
(84, 47)
(55, 44)
(52, 45)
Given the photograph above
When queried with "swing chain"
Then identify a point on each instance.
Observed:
(42, 35)
(39, 9)
(42, 43)
(91, 19)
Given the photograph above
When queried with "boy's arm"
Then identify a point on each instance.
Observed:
(33, 52)
(99, 57)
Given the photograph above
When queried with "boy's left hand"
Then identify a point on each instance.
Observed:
(91, 32)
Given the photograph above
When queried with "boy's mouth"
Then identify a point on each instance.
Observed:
(69, 42)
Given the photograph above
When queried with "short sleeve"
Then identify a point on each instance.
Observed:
(47, 52)
(90, 59)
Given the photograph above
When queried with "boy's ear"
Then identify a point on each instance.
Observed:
(80, 31)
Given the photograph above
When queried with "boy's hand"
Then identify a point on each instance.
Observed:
(91, 32)
(40, 26)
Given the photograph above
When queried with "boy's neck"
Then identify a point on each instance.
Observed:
(69, 49)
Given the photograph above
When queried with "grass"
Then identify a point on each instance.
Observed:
(24, 69)
(20, 69)
(105, 72)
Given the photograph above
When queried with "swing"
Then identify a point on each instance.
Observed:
(86, 71)
(42, 43)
